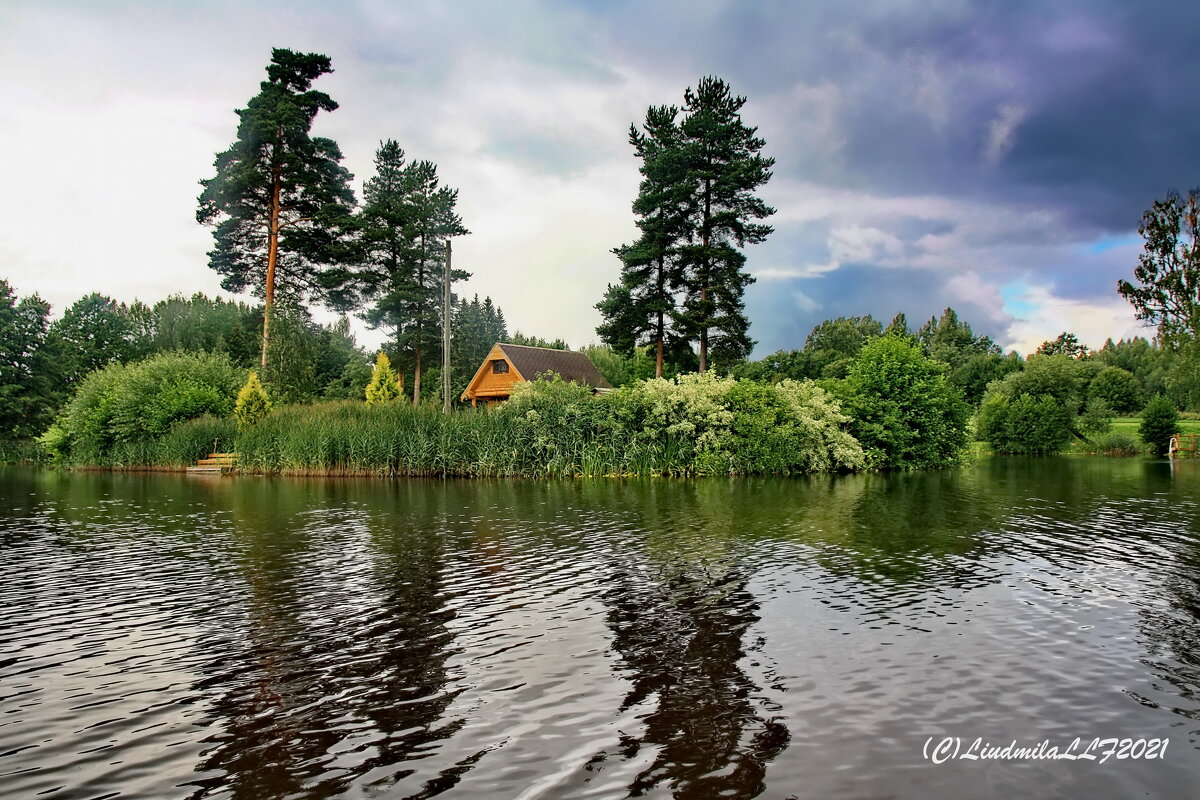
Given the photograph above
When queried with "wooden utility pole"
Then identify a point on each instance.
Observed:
(446, 334)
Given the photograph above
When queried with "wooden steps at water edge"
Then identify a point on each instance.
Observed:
(215, 464)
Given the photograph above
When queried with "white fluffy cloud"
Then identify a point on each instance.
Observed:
(1040, 315)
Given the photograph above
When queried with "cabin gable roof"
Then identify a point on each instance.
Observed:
(532, 362)
(527, 364)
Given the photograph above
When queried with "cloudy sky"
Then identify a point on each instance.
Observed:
(991, 156)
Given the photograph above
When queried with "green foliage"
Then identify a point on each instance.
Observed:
(1116, 443)
(536, 341)
(136, 404)
(951, 341)
(641, 309)
(723, 167)
(384, 386)
(1168, 270)
(905, 413)
(696, 210)
(1035, 424)
(697, 425)
(975, 373)
(1160, 421)
(781, 364)
(844, 336)
(28, 391)
(252, 402)
(1064, 378)
(1118, 388)
(305, 357)
(404, 228)
(1066, 344)
(94, 331)
(201, 323)
(1036, 410)
(619, 369)
(1096, 418)
(352, 382)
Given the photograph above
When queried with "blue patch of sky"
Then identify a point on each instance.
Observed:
(1016, 299)
(1107, 243)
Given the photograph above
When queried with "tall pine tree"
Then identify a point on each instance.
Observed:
(434, 222)
(722, 168)
(683, 279)
(280, 199)
(406, 220)
(639, 310)
(384, 223)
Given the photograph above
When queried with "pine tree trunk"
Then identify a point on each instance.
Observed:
(660, 331)
(704, 315)
(658, 355)
(417, 375)
(272, 257)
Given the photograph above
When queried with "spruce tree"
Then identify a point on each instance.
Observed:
(721, 168)
(280, 199)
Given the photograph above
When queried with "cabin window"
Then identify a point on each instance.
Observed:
(499, 366)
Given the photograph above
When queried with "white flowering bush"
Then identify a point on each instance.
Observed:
(692, 425)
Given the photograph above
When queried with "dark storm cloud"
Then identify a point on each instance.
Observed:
(1080, 105)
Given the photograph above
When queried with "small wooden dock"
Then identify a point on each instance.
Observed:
(215, 464)
(1182, 443)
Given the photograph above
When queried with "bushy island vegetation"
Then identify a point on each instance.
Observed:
(143, 386)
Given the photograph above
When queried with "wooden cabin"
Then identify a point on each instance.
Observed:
(508, 364)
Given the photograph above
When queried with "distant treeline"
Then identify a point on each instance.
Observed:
(1125, 374)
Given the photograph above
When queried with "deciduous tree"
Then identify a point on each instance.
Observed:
(1167, 288)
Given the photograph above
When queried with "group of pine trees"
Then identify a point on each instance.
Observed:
(286, 221)
(683, 279)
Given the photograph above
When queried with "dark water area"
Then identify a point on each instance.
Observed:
(249, 637)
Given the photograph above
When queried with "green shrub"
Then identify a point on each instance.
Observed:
(252, 402)
(384, 386)
(1025, 424)
(693, 425)
(1064, 378)
(1118, 388)
(1096, 417)
(904, 411)
(351, 383)
(118, 410)
(1160, 421)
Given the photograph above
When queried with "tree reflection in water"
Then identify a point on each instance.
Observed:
(336, 684)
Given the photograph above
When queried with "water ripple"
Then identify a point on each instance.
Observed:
(329, 638)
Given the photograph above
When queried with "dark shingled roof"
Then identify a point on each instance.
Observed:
(533, 361)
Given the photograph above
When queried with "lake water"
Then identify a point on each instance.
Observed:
(249, 637)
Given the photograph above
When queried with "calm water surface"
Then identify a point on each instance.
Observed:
(247, 637)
